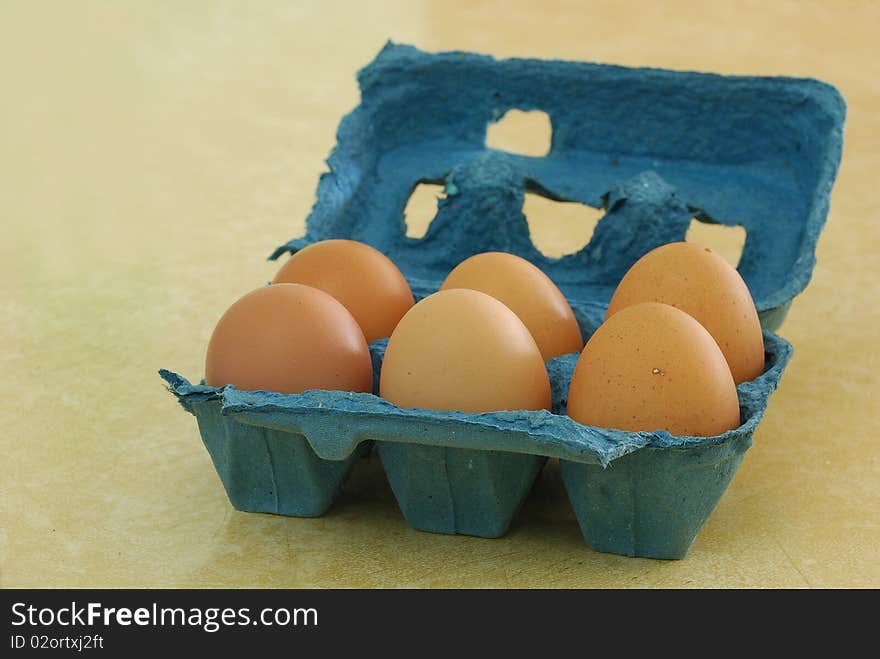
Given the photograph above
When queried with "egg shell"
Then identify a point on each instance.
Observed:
(528, 292)
(463, 350)
(703, 284)
(653, 367)
(362, 278)
(288, 338)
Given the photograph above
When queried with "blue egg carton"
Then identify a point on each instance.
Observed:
(654, 149)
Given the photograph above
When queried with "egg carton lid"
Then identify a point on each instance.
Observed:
(654, 148)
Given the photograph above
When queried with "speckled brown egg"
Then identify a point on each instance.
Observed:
(288, 338)
(464, 350)
(651, 366)
(361, 277)
(529, 293)
(703, 284)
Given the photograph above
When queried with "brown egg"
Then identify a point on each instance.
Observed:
(703, 284)
(463, 350)
(649, 367)
(365, 280)
(288, 338)
(528, 292)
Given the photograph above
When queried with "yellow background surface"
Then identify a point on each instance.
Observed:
(153, 154)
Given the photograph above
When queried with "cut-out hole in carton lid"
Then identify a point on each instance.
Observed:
(559, 227)
(525, 133)
(421, 207)
(728, 241)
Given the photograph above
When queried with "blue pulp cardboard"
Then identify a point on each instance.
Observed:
(654, 149)
(454, 472)
(455, 490)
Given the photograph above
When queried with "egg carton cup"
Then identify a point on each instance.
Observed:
(640, 494)
(654, 149)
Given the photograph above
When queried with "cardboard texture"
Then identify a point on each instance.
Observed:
(654, 149)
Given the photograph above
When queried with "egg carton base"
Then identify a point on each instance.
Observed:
(459, 491)
(270, 471)
(651, 503)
